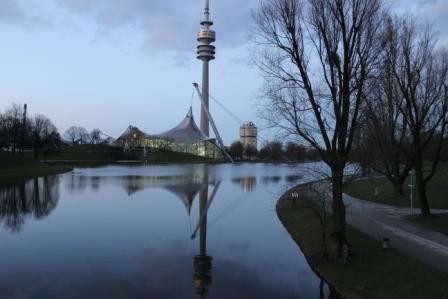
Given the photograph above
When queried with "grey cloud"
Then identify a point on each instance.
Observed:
(22, 13)
(166, 25)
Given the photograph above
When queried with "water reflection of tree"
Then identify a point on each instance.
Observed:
(247, 183)
(293, 178)
(76, 183)
(33, 198)
(275, 179)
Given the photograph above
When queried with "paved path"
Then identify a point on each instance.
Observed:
(383, 221)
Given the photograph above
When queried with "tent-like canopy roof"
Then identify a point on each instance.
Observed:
(130, 132)
(185, 132)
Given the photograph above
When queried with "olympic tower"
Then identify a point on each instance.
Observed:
(205, 52)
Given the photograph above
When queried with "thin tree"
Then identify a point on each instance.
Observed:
(421, 73)
(83, 135)
(236, 150)
(71, 134)
(95, 136)
(13, 125)
(317, 57)
(387, 128)
(43, 134)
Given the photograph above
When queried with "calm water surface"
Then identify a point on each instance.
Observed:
(174, 231)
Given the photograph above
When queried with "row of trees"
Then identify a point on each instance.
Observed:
(274, 151)
(405, 115)
(18, 131)
(79, 135)
(345, 73)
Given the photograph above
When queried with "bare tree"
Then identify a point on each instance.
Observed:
(43, 134)
(385, 123)
(95, 136)
(83, 135)
(236, 150)
(71, 134)
(295, 151)
(12, 125)
(77, 135)
(271, 150)
(421, 73)
(317, 57)
(250, 151)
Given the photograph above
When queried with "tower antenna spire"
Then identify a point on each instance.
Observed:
(207, 10)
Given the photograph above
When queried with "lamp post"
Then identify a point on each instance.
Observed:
(411, 186)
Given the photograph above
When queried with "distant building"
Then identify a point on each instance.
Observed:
(248, 134)
(186, 137)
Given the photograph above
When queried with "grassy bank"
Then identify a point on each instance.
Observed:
(372, 272)
(88, 153)
(173, 157)
(103, 154)
(17, 168)
(436, 190)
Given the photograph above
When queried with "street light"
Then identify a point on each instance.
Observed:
(411, 186)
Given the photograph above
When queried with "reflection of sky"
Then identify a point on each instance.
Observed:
(102, 238)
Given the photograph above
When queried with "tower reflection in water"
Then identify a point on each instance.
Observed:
(202, 262)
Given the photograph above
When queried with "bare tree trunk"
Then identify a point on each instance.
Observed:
(319, 102)
(421, 188)
(338, 210)
(398, 188)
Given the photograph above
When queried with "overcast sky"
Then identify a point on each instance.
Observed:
(111, 63)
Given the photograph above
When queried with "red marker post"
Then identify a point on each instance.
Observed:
(294, 196)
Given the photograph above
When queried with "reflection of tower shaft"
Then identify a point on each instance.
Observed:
(202, 262)
(203, 202)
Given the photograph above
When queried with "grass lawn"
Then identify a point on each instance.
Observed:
(372, 272)
(437, 222)
(16, 168)
(88, 154)
(437, 191)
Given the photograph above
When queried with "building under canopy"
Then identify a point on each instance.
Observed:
(186, 137)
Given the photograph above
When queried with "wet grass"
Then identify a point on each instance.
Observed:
(372, 271)
(437, 222)
(17, 168)
(85, 155)
(437, 190)
(88, 153)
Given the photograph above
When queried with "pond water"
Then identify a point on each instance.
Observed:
(159, 231)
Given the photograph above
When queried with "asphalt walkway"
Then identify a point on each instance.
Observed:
(383, 221)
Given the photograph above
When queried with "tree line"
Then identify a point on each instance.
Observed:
(21, 132)
(273, 151)
(345, 75)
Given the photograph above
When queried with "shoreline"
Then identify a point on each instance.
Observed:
(372, 271)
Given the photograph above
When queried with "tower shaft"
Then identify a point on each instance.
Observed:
(205, 52)
(205, 96)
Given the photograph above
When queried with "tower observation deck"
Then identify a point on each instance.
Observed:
(205, 52)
